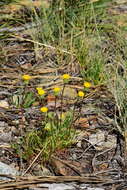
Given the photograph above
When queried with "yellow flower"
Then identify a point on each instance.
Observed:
(81, 94)
(56, 89)
(38, 88)
(26, 77)
(87, 84)
(44, 109)
(66, 77)
(41, 92)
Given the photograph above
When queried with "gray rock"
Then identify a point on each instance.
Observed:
(41, 171)
(4, 104)
(3, 124)
(98, 140)
(6, 137)
(65, 186)
(57, 186)
(7, 170)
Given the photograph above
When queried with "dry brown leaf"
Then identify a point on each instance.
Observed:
(82, 122)
(62, 153)
(51, 102)
(103, 166)
(26, 66)
(60, 168)
(66, 167)
(51, 98)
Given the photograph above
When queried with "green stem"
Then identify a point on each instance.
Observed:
(56, 120)
(62, 102)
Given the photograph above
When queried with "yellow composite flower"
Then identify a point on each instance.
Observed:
(57, 89)
(38, 88)
(87, 84)
(26, 77)
(41, 92)
(66, 77)
(44, 109)
(81, 94)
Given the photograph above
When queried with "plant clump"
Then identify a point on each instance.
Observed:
(57, 130)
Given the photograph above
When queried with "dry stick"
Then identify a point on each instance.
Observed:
(23, 182)
(8, 176)
(73, 116)
(62, 102)
(33, 162)
(93, 161)
(91, 145)
(56, 114)
(35, 159)
(41, 44)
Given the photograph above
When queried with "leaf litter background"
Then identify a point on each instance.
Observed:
(98, 152)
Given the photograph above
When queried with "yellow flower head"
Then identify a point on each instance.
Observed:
(66, 77)
(26, 77)
(44, 109)
(38, 88)
(87, 84)
(56, 90)
(41, 92)
(81, 94)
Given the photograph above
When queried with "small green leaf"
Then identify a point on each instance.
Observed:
(28, 100)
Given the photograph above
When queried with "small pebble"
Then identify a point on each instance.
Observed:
(4, 104)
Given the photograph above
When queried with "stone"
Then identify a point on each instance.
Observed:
(7, 170)
(56, 186)
(4, 104)
(6, 137)
(99, 142)
(3, 124)
(41, 171)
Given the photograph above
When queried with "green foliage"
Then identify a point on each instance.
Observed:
(72, 25)
(77, 27)
(28, 99)
(56, 130)
(23, 100)
(49, 138)
(6, 2)
(119, 90)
